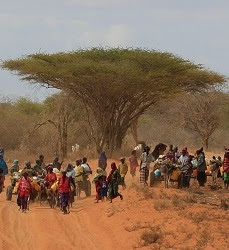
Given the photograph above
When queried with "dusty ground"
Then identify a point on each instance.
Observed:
(147, 218)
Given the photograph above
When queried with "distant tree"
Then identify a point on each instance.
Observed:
(116, 86)
(28, 107)
(201, 113)
(61, 112)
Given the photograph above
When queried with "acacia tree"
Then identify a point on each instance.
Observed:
(116, 85)
(201, 114)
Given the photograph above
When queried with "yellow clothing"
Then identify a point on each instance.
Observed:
(79, 170)
(123, 169)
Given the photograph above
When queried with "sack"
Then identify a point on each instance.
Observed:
(54, 186)
(175, 175)
(157, 173)
(72, 188)
(18, 201)
(36, 186)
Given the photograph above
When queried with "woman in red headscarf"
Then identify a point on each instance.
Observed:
(113, 180)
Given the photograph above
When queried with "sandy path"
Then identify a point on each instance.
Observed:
(44, 228)
(181, 223)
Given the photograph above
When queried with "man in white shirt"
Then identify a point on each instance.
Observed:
(86, 167)
(183, 158)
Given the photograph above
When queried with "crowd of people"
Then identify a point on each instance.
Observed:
(68, 179)
(189, 165)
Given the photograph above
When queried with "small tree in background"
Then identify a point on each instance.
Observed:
(64, 113)
(202, 114)
(116, 86)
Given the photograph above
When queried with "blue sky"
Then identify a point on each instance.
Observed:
(196, 30)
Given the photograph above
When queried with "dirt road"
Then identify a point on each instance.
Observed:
(147, 218)
(45, 228)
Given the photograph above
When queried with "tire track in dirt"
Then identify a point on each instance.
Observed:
(45, 228)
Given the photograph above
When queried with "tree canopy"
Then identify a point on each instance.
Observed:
(116, 85)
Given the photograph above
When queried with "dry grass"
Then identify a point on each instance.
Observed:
(137, 226)
(203, 239)
(198, 217)
(150, 236)
(162, 205)
(190, 198)
(224, 205)
(178, 201)
(145, 191)
(164, 195)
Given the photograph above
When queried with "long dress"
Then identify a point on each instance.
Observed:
(113, 184)
(133, 164)
(102, 163)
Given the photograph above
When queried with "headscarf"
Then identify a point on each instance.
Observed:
(103, 157)
(113, 168)
(50, 168)
(15, 166)
(27, 163)
(15, 162)
(56, 159)
(70, 167)
(99, 173)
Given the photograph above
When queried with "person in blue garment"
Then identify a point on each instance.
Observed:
(4, 167)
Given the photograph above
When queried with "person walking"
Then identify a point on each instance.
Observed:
(226, 169)
(64, 189)
(102, 161)
(56, 163)
(113, 180)
(1, 180)
(98, 184)
(133, 163)
(24, 190)
(146, 159)
(3, 166)
(201, 167)
(41, 161)
(123, 169)
(14, 167)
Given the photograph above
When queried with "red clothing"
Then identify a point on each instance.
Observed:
(64, 185)
(1, 182)
(51, 179)
(24, 186)
(98, 188)
(133, 162)
(226, 165)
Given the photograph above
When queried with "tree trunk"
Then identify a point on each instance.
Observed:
(206, 142)
(134, 131)
(64, 144)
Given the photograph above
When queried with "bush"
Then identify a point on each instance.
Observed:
(150, 236)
